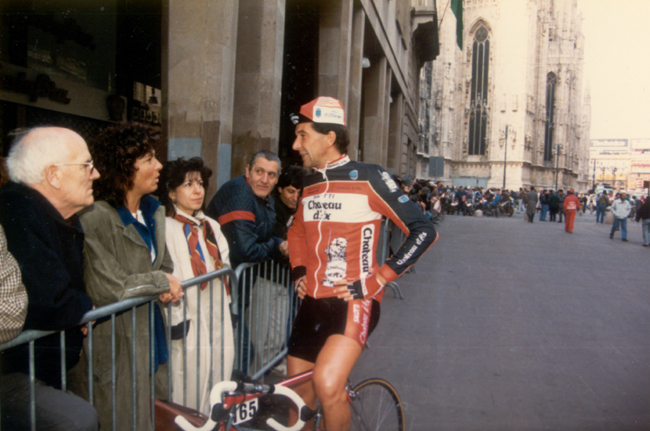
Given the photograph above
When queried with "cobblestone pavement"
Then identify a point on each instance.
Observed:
(508, 325)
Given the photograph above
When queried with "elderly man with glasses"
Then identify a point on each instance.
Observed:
(51, 176)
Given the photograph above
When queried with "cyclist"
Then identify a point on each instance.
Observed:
(332, 247)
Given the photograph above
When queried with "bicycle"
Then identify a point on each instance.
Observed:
(375, 405)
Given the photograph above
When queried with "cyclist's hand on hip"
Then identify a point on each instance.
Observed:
(360, 289)
(301, 287)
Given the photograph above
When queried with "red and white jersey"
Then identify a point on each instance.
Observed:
(336, 229)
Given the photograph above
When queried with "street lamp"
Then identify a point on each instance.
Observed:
(505, 157)
(593, 177)
(557, 163)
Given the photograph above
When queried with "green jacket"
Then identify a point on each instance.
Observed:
(117, 266)
(554, 201)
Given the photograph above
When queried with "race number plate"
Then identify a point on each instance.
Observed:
(245, 411)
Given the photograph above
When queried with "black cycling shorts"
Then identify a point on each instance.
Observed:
(317, 319)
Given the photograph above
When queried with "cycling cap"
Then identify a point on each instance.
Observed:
(324, 110)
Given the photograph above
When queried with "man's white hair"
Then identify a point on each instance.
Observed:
(33, 151)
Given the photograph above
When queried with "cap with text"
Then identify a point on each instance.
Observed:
(324, 110)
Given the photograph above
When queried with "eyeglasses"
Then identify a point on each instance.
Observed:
(88, 165)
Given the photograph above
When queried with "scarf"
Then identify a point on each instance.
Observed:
(194, 247)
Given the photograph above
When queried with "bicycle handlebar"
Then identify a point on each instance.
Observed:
(222, 388)
(289, 393)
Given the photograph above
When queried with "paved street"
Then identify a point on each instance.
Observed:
(513, 326)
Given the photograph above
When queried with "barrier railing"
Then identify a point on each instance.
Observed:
(264, 306)
(108, 313)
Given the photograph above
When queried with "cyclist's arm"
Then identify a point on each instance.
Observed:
(420, 232)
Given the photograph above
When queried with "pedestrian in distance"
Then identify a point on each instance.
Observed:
(531, 203)
(571, 207)
(553, 205)
(561, 196)
(643, 213)
(602, 202)
(543, 201)
(620, 209)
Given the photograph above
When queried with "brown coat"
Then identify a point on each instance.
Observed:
(117, 266)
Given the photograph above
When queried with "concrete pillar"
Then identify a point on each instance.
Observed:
(374, 100)
(334, 49)
(395, 134)
(258, 80)
(199, 41)
(356, 72)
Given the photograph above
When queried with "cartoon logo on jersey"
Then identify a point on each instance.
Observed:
(392, 186)
(354, 175)
(336, 268)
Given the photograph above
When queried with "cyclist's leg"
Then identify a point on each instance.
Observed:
(331, 372)
(306, 389)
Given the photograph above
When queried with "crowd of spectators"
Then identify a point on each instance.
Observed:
(87, 231)
(435, 198)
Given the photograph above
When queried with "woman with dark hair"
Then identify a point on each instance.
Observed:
(125, 256)
(197, 247)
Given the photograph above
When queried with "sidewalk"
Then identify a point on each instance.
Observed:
(508, 325)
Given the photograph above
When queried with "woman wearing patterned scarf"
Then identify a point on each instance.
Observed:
(201, 320)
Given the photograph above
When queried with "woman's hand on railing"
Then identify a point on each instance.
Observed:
(175, 290)
(84, 327)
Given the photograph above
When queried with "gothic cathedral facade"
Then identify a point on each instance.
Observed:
(508, 109)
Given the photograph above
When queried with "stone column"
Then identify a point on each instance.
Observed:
(199, 41)
(395, 134)
(374, 100)
(258, 81)
(334, 49)
(353, 111)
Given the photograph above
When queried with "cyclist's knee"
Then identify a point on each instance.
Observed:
(329, 388)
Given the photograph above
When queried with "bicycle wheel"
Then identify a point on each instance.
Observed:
(376, 405)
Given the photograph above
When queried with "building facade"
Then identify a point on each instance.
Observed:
(507, 110)
(220, 78)
(620, 164)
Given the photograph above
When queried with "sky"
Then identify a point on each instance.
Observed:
(617, 67)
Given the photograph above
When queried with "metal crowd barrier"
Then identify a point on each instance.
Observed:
(264, 306)
(109, 312)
